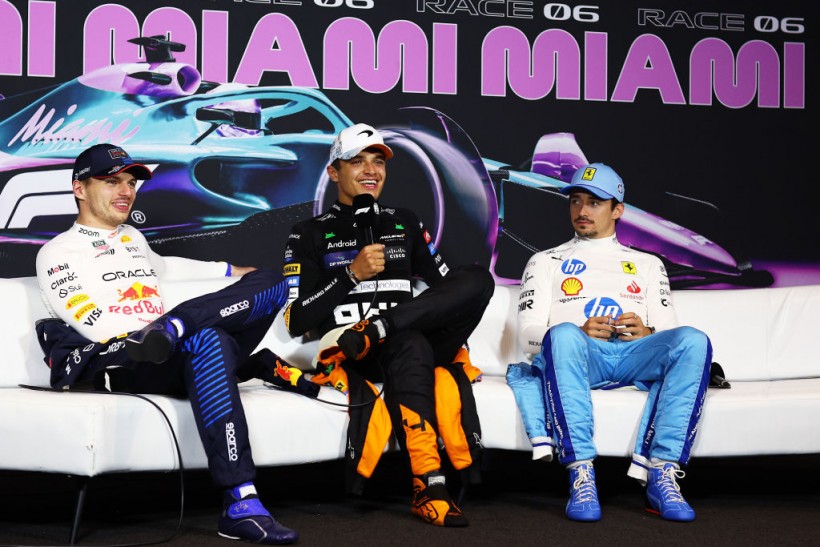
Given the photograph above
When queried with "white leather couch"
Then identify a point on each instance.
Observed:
(764, 338)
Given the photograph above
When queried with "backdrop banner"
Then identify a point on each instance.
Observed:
(490, 106)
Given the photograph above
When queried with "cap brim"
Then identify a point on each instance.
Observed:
(139, 171)
(388, 152)
(594, 190)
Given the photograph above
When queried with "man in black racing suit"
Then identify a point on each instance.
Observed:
(354, 265)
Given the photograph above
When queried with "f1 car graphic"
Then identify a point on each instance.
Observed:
(235, 166)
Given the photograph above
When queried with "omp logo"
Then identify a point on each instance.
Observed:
(601, 306)
(39, 194)
(573, 266)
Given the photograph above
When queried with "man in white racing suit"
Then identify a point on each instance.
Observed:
(596, 314)
(103, 283)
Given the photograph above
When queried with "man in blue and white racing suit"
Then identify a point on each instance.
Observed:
(111, 330)
(596, 314)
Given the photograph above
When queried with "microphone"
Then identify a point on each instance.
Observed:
(365, 213)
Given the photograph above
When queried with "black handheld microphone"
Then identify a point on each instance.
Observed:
(365, 212)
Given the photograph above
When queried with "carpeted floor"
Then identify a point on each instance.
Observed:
(739, 501)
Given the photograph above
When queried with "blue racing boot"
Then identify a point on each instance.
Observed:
(663, 494)
(244, 517)
(583, 494)
(156, 342)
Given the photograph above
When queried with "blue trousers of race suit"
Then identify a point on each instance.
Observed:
(221, 331)
(674, 364)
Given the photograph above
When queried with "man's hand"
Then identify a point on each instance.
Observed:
(599, 327)
(369, 262)
(241, 270)
(631, 327)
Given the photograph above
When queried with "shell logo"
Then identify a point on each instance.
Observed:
(572, 286)
(125, 239)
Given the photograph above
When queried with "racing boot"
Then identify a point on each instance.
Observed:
(356, 341)
(156, 342)
(583, 503)
(663, 493)
(432, 502)
(244, 517)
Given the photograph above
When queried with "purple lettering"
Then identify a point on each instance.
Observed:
(794, 75)
(11, 40)
(276, 46)
(106, 33)
(445, 58)
(556, 60)
(350, 47)
(758, 73)
(41, 25)
(648, 66)
(595, 72)
(215, 48)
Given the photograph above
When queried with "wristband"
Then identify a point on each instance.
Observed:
(351, 275)
(651, 330)
(229, 271)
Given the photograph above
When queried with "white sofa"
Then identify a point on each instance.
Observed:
(764, 338)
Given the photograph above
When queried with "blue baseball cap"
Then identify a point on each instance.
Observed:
(599, 179)
(104, 160)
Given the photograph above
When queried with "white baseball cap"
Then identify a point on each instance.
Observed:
(352, 140)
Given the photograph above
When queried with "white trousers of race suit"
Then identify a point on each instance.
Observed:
(553, 394)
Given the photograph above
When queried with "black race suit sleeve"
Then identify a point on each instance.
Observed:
(313, 293)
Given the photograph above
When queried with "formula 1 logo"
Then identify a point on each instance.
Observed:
(38, 194)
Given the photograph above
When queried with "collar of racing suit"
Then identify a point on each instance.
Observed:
(601, 242)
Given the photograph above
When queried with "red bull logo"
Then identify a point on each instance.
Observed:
(282, 371)
(138, 291)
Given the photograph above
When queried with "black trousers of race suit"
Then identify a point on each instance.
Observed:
(425, 332)
(221, 331)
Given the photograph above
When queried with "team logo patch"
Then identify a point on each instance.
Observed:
(117, 153)
(573, 266)
(572, 286)
(629, 267)
(589, 173)
(74, 301)
(125, 239)
(633, 288)
(601, 306)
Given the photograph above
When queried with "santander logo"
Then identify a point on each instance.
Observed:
(633, 288)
